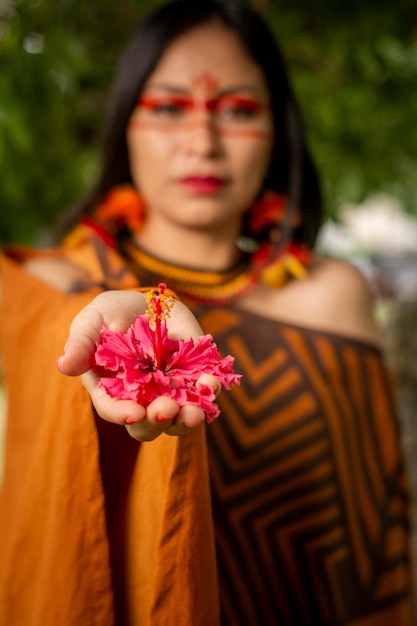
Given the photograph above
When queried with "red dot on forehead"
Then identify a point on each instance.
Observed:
(206, 82)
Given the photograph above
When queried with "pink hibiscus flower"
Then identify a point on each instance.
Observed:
(145, 362)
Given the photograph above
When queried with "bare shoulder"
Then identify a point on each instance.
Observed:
(334, 297)
(343, 301)
(57, 272)
(338, 278)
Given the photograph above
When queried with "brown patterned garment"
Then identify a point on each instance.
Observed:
(308, 489)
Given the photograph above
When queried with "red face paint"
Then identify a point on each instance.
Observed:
(231, 112)
(229, 106)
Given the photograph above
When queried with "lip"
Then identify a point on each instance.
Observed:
(204, 185)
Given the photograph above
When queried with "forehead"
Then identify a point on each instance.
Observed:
(212, 50)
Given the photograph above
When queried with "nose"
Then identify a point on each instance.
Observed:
(202, 137)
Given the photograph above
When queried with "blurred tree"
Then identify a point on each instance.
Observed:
(354, 66)
(355, 69)
(56, 61)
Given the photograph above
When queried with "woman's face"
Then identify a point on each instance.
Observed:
(201, 135)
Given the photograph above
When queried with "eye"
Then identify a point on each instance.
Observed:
(239, 109)
(166, 107)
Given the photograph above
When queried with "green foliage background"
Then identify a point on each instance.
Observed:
(354, 67)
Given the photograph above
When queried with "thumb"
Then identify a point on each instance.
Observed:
(78, 356)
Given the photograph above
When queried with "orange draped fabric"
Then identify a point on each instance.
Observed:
(306, 514)
(62, 562)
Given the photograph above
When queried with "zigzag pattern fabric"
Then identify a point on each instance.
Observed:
(308, 489)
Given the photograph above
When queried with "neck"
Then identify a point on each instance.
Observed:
(190, 248)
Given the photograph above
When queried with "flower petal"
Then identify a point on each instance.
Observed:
(127, 366)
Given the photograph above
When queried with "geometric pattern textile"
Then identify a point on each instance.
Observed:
(309, 496)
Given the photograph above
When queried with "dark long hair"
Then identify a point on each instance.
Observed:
(291, 170)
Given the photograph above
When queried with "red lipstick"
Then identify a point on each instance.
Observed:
(204, 185)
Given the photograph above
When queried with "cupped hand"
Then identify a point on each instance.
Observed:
(118, 310)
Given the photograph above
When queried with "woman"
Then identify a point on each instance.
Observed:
(294, 511)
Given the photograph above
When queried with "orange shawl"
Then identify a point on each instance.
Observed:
(56, 563)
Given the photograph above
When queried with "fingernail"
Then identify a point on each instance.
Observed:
(132, 420)
(162, 418)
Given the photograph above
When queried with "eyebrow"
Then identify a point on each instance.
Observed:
(240, 87)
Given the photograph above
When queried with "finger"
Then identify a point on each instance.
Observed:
(164, 416)
(159, 416)
(161, 412)
(141, 431)
(111, 409)
(188, 418)
(211, 381)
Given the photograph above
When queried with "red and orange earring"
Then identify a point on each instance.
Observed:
(267, 212)
(123, 206)
(263, 224)
(263, 217)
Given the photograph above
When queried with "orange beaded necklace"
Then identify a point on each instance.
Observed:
(123, 211)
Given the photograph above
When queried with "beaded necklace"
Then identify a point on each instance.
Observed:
(123, 209)
(215, 287)
(197, 285)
